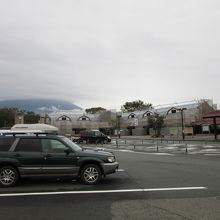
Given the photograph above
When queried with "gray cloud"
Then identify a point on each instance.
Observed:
(108, 52)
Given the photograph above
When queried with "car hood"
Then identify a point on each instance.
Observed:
(88, 152)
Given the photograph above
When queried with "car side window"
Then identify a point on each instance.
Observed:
(53, 146)
(5, 143)
(29, 145)
(97, 133)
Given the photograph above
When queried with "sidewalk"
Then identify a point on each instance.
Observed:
(177, 209)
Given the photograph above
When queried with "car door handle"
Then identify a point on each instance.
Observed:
(17, 155)
(47, 156)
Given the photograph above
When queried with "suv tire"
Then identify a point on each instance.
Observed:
(91, 174)
(8, 176)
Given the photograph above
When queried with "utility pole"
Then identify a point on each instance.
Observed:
(174, 110)
(182, 122)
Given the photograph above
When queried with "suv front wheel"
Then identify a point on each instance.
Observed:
(91, 174)
(8, 176)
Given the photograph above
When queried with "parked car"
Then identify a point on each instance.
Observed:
(75, 139)
(94, 136)
(42, 155)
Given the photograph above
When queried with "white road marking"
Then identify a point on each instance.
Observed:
(209, 150)
(101, 191)
(212, 154)
(135, 152)
(131, 151)
(205, 153)
(175, 189)
(120, 170)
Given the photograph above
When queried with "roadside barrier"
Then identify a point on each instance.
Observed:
(162, 145)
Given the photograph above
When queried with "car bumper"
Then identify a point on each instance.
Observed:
(109, 168)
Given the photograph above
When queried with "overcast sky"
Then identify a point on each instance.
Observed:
(104, 53)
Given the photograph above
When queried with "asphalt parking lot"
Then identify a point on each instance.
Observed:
(148, 185)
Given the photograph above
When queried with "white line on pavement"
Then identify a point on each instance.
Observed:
(212, 154)
(102, 191)
(135, 152)
(120, 170)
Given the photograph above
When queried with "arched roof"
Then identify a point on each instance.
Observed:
(83, 118)
(64, 118)
(132, 115)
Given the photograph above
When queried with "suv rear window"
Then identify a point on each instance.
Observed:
(5, 143)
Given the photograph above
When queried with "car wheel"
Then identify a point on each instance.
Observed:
(91, 174)
(8, 176)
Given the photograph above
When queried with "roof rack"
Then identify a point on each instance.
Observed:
(25, 133)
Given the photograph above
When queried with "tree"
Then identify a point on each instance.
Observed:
(94, 110)
(136, 106)
(7, 117)
(156, 122)
(31, 118)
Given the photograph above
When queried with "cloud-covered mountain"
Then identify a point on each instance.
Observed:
(38, 105)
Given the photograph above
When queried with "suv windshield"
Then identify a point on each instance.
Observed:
(74, 146)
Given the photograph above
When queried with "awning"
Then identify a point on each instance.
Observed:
(214, 114)
(208, 122)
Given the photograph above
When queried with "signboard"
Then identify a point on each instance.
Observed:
(173, 131)
(188, 130)
(205, 128)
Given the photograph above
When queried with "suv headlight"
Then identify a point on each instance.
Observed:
(111, 159)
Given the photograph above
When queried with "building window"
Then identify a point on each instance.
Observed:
(147, 114)
(84, 118)
(64, 118)
(132, 115)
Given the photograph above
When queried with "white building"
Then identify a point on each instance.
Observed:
(132, 123)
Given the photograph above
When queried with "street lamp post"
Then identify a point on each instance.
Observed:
(118, 115)
(174, 110)
(182, 122)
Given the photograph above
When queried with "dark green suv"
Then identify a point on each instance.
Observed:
(93, 136)
(42, 155)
